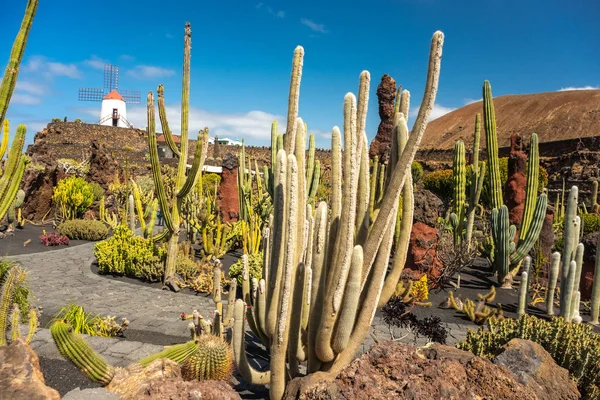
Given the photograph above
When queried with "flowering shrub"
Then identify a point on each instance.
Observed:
(53, 239)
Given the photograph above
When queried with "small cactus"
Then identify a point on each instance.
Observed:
(213, 360)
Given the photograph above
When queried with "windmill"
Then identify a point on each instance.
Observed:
(113, 111)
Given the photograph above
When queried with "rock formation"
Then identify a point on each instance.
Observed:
(20, 374)
(386, 94)
(392, 370)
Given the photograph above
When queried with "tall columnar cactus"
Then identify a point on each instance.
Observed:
(171, 208)
(147, 226)
(491, 140)
(322, 283)
(14, 166)
(523, 287)
(478, 170)
(459, 177)
(507, 254)
(552, 279)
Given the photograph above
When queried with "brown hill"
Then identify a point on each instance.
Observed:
(554, 116)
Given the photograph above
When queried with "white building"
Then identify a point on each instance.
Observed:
(114, 112)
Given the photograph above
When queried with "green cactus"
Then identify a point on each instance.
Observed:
(13, 168)
(341, 277)
(478, 171)
(213, 360)
(594, 202)
(491, 140)
(507, 254)
(9, 310)
(523, 287)
(171, 208)
(459, 176)
(74, 348)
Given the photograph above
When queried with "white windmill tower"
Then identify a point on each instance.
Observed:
(113, 111)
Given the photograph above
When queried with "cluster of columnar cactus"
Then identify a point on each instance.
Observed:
(509, 255)
(568, 267)
(463, 216)
(325, 270)
(10, 311)
(171, 208)
(145, 215)
(12, 169)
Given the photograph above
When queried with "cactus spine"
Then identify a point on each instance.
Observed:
(172, 209)
(213, 360)
(340, 279)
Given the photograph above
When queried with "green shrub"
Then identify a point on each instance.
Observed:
(21, 296)
(73, 196)
(129, 255)
(210, 184)
(440, 182)
(574, 347)
(97, 190)
(84, 229)
(417, 171)
(255, 265)
(591, 223)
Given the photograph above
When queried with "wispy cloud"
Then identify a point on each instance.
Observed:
(471, 101)
(169, 36)
(275, 13)
(25, 99)
(313, 25)
(579, 88)
(126, 57)
(95, 62)
(438, 111)
(51, 69)
(149, 71)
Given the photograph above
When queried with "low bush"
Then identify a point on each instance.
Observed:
(73, 196)
(255, 266)
(574, 347)
(97, 191)
(416, 171)
(129, 255)
(52, 239)
(83, 229)
(591, 223)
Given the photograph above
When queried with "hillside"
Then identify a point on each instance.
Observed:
(554, 116)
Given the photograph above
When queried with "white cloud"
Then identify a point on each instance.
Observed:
(579, 88)
(25, 99)
(149, 71)
(31, 88)
(313, 25)
(252, 126)
(126, 57)
(438, 111)
(95, 62)
(278, 14)
(169, 36)
(471, 101)
(50, 68)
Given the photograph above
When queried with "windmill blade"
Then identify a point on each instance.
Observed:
(111, 77)
(130, 96)
(90, 94)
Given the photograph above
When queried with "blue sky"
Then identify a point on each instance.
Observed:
(242, 52)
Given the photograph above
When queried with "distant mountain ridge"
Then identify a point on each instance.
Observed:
(554, 116)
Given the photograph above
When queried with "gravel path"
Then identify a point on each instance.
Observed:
(61, 276)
